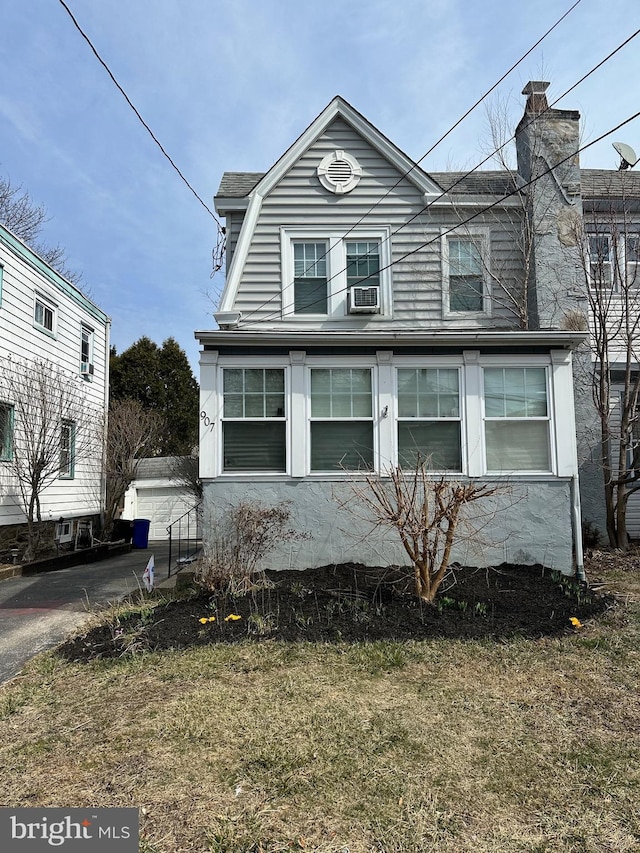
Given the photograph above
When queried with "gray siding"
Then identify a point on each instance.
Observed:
(299, 199)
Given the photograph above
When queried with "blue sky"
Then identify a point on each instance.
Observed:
(229, 84)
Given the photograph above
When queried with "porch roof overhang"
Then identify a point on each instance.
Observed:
(398, 339)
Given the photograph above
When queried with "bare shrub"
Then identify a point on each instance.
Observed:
(242, 537)
(427, 512)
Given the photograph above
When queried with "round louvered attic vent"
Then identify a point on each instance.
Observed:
(339, 172)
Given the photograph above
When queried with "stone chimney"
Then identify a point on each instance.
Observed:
(547, 142)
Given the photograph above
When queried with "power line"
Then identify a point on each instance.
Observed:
(479, 212)
(142, 121)
(458, 181)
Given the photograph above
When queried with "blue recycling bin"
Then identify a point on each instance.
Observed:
(140, 537)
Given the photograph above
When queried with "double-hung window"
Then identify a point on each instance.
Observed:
(429, 418)
(86, 351)
(67, 449)
(517, 426)
(341, 419)
(632, 248)
(6, 432)
(601, 261)
(44, 315)
(466, 277)
(363, 263)
(310, 277)
(254, 422)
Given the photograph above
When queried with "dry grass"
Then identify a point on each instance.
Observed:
(388, 747)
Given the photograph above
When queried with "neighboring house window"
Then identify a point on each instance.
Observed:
(6, 432)
(429, 418)
(86, 351)
(466, 278)
(310, 282)
(516, 419)
(601, 268)
(254, 425)
(67, 449)
(44, 315)
(633, 260)
(319, 269)
(341, 419)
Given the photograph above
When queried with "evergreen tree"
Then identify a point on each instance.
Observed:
(160, 379)
(181, 400)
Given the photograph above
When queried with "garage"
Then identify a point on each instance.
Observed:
(154, 495)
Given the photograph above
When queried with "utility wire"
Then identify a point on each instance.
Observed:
(142, 121)
(450, 188)
(479, 212)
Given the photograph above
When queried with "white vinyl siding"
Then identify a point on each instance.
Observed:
(25, 277)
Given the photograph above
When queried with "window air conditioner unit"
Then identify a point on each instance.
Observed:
(364, 300)
(86, 369)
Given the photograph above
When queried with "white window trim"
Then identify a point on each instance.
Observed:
(481, 237)
(52, 306)
(220, 420)
(336, 271)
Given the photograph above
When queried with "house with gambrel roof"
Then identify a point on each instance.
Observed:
(374, 313)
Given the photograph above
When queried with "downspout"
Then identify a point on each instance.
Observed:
(103, 479)
(577, 527)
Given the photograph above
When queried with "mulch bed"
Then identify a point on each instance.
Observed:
(353, 603)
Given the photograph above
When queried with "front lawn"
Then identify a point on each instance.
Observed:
(486, 741)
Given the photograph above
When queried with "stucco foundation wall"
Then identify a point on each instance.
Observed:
(530, 523)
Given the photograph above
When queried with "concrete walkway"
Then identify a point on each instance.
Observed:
(38, 612)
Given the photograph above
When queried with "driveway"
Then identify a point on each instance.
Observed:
(38, 612)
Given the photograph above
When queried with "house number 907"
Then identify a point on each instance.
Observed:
(204, 417)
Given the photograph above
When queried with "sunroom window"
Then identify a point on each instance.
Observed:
(254, 426)
(429, 418)
(516, 419)
(341, 419)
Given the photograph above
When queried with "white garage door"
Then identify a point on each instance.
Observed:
(162, 506)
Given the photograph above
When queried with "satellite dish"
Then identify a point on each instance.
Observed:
(627, 155)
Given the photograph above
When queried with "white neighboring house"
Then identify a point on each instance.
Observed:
(45, 317)
(156, 496)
